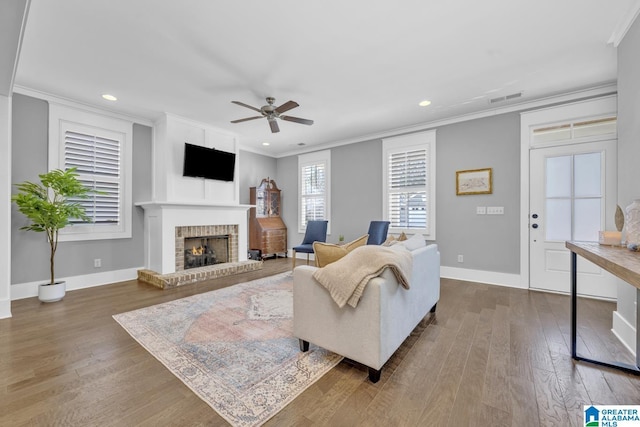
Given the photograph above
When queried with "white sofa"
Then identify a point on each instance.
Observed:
(384, 317)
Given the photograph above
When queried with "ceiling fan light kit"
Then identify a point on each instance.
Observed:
(272, 113)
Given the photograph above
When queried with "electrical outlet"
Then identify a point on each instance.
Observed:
(97, 263)
(460, 258)
(481, 210)
(495, 210)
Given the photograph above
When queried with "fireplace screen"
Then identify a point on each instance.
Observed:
(205, 250)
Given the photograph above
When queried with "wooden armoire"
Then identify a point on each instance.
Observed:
(267, 231)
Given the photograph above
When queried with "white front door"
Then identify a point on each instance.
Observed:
(572, 197)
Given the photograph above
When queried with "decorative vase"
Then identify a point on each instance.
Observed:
(632, 223)
(52, 293)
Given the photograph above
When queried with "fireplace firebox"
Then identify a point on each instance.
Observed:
(205, 250)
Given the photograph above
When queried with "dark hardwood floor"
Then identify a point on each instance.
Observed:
(490, 356)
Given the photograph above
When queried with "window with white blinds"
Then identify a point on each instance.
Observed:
(99, 147)
(313, 178)
(409, 183)
(97, 161)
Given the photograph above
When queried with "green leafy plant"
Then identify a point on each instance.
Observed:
(51, 204)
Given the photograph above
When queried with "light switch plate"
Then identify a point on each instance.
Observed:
(481, 210)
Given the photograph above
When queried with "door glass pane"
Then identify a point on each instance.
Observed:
(558, 176)
(587, 175)
(558, 223)
(587, 219)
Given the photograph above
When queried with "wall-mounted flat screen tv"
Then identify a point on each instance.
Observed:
(208, 163)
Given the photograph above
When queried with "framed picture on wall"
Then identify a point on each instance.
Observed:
(475, 181)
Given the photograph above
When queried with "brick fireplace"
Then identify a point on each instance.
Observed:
(206, 232)
(168, 224)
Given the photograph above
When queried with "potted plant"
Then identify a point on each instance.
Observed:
(49, 206)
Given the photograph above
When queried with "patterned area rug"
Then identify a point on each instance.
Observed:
(233, 347)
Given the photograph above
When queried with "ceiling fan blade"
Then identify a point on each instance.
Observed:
(274, 126)
(286, 107)
(247, 106)
(297, 120)
(247, 119)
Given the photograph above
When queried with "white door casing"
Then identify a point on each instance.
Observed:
(572, 193)
(574, 112)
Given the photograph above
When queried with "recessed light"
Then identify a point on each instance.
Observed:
(265, 143)
(109, 97)
(424, 103)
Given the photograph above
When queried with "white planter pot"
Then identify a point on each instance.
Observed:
(52, 293)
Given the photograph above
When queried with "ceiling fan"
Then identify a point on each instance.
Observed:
(272, 113)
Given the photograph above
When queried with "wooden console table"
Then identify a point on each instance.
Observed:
(623, 264)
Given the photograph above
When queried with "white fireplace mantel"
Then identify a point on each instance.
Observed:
(191, 204)
(161, 219)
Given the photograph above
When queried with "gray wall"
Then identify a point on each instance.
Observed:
(287, 179)
(356, 198)
(30, 251)
(628, 142)
(488, 242)
(628, 123)
(12, 19)
(252, 169)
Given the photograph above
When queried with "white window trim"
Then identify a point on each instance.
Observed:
(313, 158)
(60, 118)
(426, 140)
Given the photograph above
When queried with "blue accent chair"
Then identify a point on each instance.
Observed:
(378, 232)
(316, 232)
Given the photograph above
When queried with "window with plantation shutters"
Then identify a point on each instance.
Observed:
(99, 148)
(409, 183)
(97, 162)
(408, 188)
(313, 178)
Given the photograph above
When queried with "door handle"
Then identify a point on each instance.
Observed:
(534, 225)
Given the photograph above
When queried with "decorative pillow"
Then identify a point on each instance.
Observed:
(416, 241)
(402, 237)
(326, 253)
(390, 241)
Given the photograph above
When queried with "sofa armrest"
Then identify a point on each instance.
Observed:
(352, 332)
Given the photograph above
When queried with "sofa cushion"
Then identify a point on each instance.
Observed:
(414, 242)
(326, 253)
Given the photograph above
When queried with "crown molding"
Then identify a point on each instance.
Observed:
(596, 91)
(16, 60)
(623, 26)
(80, 105)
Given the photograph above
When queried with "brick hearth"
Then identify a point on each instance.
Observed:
(193, 275)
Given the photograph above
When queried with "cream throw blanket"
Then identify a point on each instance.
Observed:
(346, 278)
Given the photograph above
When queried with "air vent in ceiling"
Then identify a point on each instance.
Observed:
(505, 98)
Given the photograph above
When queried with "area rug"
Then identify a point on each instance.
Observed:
(233, 347)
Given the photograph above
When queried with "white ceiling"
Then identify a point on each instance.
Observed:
(356, 67)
